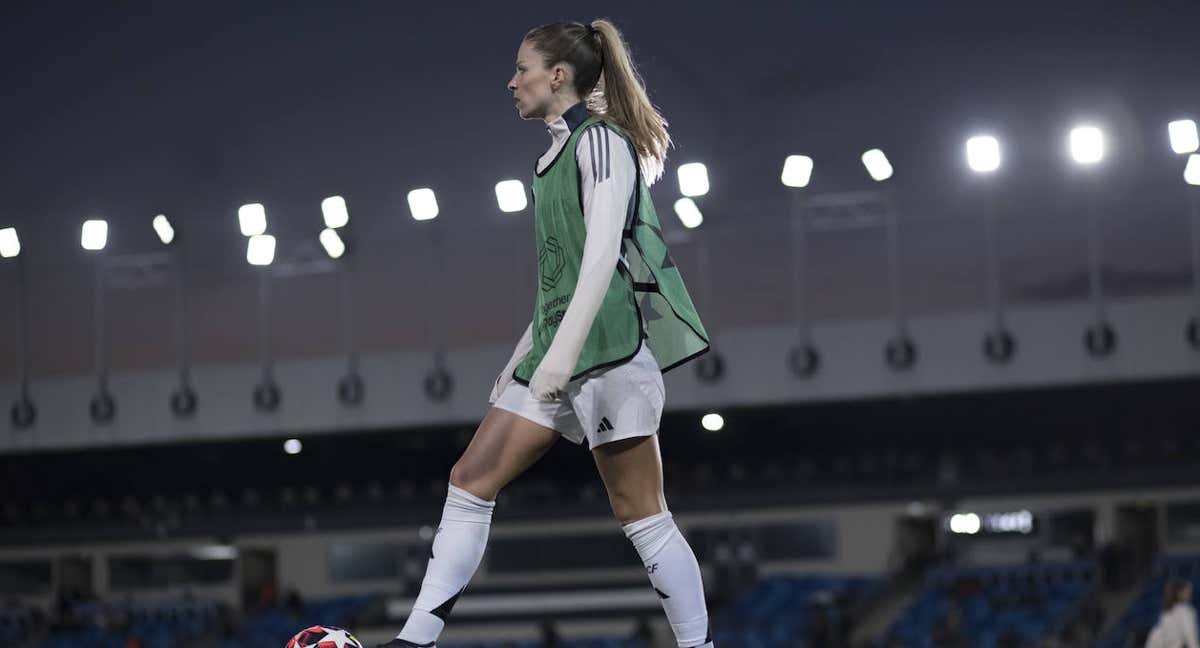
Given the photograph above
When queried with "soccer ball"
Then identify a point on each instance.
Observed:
(324, 637)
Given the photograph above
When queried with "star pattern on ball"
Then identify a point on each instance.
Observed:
(339, 638)
(324, 637)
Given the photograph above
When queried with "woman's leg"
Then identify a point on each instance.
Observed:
(632, 474)
(504, 446)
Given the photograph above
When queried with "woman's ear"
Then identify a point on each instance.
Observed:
(559, 77)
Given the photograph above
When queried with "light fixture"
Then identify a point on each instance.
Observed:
(693, 179)
(260, 250)
(712, 422)
(688, 213)
(10, 244)
(1184, 138)
(332, 243)
(510, 196)
(252, 218)
(94, 235)
(983, 154)
(423, 204)
(964, 523)
(333, 209)
(1087, 144)
(1191, 172)
(797, 171)
(162, 226)
(877, 165)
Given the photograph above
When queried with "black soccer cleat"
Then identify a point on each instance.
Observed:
(400, 643)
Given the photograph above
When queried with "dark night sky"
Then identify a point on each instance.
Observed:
(127, 110)
(193, 108)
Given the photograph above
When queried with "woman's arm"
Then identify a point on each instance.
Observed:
(523, 347)
(607, 173)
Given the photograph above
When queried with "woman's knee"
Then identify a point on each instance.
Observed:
(503, 447)
(459, 474)
(466, 477)
(631, 507)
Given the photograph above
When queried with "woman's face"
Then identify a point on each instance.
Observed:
(531, 83)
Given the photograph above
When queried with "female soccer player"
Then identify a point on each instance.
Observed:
(611, 309)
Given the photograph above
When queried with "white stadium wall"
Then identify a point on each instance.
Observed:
(1050, 351)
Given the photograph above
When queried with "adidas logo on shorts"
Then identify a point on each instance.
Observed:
(605, 426)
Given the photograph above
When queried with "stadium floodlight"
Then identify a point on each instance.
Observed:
(1184, 138)
(1087, 144)
(983, 154)
(688, 213)
(332, 243)
(162, 226)
(214, 552)
(334, 210)
(510, 195)
(1011, 522)
(712, 422)
(260, 250)
(1191, 173)
(10, 244)
(253, 219)
(423, 204)
(877, 165)
(967, 523)
(293, 446)
(94, 235)
(693, 179)
(797, 171)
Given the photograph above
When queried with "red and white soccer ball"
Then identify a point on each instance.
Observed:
(324, 637)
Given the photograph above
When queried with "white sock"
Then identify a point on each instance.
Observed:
(455, 555)
(675, 575)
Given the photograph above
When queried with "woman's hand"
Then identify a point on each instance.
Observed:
(551, 376)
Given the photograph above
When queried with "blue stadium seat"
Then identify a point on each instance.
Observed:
(1027, 602)
(781, 609)
(1145, 609)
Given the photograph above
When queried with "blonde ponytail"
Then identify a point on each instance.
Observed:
(625, 102)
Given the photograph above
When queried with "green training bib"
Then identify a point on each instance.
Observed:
(646, 297)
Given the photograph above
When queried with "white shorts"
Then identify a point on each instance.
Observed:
(616, 403)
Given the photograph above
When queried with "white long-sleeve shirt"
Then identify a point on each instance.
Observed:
(1176, 627)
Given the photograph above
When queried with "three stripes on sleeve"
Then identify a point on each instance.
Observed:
(598, 143)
